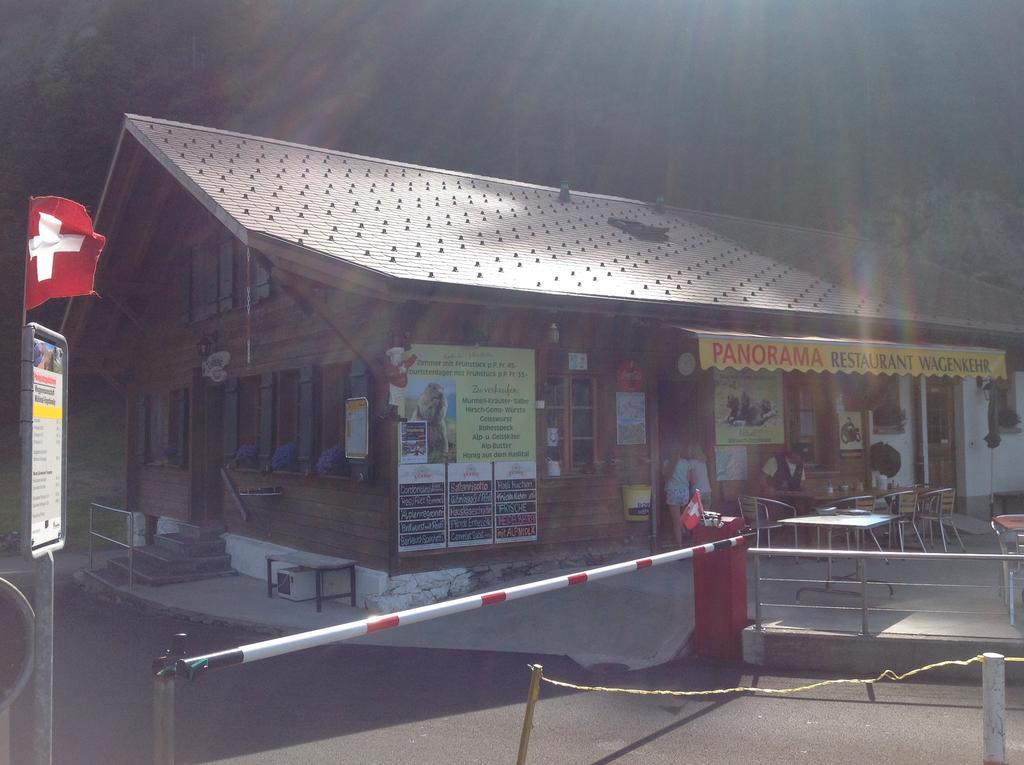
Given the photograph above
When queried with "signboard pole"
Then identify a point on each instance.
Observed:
(43, 661)
(44, 368)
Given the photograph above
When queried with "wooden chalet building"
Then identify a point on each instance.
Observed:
(425, 370)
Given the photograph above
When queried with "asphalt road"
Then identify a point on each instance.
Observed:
(365, 704)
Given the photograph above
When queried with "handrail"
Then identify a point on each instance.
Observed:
(93, 507)
(825, 553)
(862, 557)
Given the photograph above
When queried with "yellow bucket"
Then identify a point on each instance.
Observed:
(636, 502)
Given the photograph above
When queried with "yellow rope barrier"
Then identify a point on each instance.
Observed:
(886, 675)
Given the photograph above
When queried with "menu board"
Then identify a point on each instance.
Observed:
(420, 507)
(515, 502)
(470, 504)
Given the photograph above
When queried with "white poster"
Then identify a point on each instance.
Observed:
(515, 501)
(470, 504)
(730, 463)
(420, 507)
(630, 418)
(851, 436)
(412, 442)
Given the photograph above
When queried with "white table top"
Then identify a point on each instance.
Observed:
(867, 521)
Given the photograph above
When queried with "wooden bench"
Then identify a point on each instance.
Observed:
(320, 564)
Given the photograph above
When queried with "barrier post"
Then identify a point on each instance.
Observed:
(531, 700)
(993, 691)
(163, 701)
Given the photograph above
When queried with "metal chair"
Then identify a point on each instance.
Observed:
(904, 506)
(757, 512)
(936, 507)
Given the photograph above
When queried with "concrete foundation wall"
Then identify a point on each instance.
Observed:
(249, 557)
(860, 656)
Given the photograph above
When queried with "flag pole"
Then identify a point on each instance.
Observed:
(42, 642)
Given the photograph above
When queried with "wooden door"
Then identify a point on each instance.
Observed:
(941, 433)
(679, 419)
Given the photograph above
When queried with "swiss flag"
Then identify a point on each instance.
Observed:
(693, 513)
(62, 250)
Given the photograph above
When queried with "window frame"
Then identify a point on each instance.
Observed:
(567, 419)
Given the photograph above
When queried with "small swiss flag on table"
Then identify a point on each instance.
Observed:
(62, 250)
(693, 513)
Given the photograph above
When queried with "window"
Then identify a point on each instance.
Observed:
(570, 422)
(810, 411)
(886, 413)
(163, 431)
(269, 420)
(216, 277)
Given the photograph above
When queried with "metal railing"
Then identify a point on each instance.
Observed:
(861, 581)
(130, 545)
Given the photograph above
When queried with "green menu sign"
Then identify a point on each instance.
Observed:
(478, 403)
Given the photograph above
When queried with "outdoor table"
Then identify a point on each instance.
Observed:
(808, 500)
(850, 520)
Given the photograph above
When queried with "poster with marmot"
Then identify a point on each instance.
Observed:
(478, 403)
(748, 407)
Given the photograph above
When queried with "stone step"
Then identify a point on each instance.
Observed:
(149, 574)
(111, 577)
(174, 563)
(190, 547)
(200, 531)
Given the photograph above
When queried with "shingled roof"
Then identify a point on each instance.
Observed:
(424, 224)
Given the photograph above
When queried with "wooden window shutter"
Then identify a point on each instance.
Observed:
(357, 384)
(226, 273)
(230, 418)
(266, 439)
(261, 281)
(182, 414)
(142, 428)
(307, 412)
(358, 380)
(186, 289)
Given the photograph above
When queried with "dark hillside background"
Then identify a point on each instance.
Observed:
(900, 121)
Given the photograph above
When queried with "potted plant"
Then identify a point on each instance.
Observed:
(331, 461)
(245, 456)
(285, 457)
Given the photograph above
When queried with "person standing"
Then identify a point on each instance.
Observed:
(698, 474)
(676, 473)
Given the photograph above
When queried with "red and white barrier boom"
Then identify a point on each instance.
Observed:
(266, 649)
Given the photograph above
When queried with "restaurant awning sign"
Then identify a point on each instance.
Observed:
(725, 350)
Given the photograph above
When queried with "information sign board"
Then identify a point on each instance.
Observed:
(470, 504)
(421, 520)
(515, 502)
(43, 442)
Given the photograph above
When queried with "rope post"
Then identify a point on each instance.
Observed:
(163, 700)
(531, 701)
(993, 691)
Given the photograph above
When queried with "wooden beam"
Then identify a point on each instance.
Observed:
(310, 306)
(123, 308)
